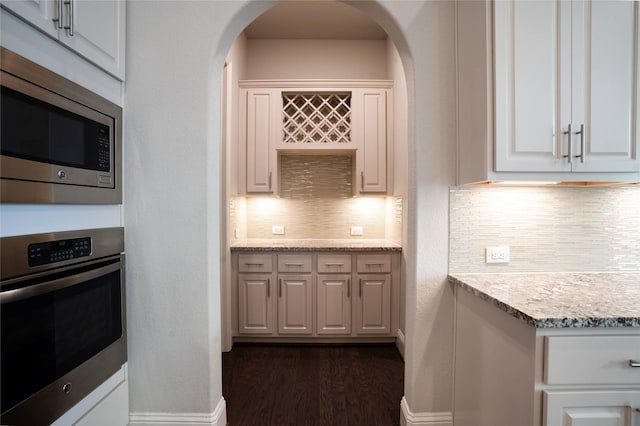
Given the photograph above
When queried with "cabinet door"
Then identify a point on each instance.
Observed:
(262, 129)
(531, 84)
(295, 309)
(370, 132)
(373, 306)
(39, 13)
(605, 85)
(255, 304)
(592, 408)
(333, 304)
(98, 33)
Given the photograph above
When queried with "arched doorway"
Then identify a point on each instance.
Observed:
(281, 28)
(176, 53)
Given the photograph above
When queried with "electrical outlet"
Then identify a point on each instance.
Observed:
(357, 230)
(497, 254)
(277, 230)
(237, 233)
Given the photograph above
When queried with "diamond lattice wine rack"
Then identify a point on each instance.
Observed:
(316, 118)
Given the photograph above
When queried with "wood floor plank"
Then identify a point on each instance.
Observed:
(313, 385)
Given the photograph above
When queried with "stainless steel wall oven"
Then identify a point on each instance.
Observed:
(62, 318)
(60, 143)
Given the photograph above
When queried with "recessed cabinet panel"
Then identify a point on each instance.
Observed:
(261, 128)
(333, 295)
(605, 81)
(255, 304)
(527, 133)
(295, 310)
(373, 313)
(370, 128)
(591, 408)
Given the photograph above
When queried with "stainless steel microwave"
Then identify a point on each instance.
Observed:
(60, 143)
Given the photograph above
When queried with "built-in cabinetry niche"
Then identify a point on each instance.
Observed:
(316, 176)
(346, 119)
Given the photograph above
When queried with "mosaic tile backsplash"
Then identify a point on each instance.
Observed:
(555, 229)
(316, 202)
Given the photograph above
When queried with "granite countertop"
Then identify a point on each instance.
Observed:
(557, 300)
(282, 244)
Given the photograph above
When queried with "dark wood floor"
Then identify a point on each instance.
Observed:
(313, 385)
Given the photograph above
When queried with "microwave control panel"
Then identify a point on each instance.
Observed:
(58, 251)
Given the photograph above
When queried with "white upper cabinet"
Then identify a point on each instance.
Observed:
(548, 90)
(93, 29)
(370, 132)
(261, 129)
(565, 86)
(315, 117)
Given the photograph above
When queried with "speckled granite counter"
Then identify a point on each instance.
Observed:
(556, 300)
(342, 245)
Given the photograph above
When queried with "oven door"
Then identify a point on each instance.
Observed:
(63, 334)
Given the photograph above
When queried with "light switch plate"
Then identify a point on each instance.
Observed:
(499, 254)
(357, 230)
(277, 230)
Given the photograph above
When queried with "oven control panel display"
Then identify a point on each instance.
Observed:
(58, 251)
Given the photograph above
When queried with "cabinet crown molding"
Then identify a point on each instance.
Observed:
(316, 84)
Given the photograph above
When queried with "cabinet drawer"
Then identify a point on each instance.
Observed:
(294, 263)
(255, 263)
(334, 263)
(374, 263)
(592, 360)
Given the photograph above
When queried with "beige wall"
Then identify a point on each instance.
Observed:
(321, 59)
(547, 228)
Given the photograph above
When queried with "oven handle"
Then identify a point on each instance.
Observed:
(60, 283)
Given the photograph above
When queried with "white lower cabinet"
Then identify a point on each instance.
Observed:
(333, 296)
(592, 408)
(254, 304)
(292, 296)
(510, 373)
(294, 304)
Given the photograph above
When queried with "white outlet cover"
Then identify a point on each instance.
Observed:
(497, 255)
(357, 230)
(277, 230)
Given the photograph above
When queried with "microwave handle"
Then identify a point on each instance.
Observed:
(49, 286)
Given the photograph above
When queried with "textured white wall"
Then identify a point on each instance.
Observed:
(175, 58)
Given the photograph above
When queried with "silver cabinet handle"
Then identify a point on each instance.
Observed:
(69, 28)
(294, 264)
(254, 264)
(348, 288)
(634, 364)
(280, 288)
(334, 264)
(569, 155)
(362, 181)
(58, 17)
(360, 293)
(581, 133)
(374, 264)
(268, 287)
(269, 180)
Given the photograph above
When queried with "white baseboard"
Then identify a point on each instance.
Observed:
(217, 418)
(409, 418)
(400, 342)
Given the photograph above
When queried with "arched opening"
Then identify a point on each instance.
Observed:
(269, 60)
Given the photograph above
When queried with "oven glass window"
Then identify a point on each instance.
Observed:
(46, 336)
